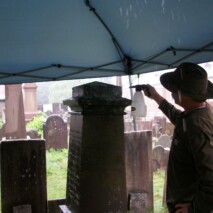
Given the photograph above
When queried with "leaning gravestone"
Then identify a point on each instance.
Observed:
(55, 132)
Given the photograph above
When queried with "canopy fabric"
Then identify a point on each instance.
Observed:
(47, 40)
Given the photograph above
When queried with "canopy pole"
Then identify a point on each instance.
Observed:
(131, 95)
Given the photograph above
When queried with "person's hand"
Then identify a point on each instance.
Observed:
(182, 208)
(151, 92)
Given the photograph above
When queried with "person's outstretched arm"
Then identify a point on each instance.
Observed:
(168, 109)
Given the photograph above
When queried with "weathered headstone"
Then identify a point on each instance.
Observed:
(30, 100)
(58, 107)
(138, 203)
(96, 163)
(23, 176)
(156, 130)
(164, 141)
(139, 176)
(160, 155)
(14, 112)
(143, 125)
(55, 132)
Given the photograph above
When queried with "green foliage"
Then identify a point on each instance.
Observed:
(37, 123)
(1, 123)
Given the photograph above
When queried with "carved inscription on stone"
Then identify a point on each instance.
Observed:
(73, 182)
(138, 202)
(55, 132)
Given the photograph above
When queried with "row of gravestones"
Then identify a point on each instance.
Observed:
(56, 133)
(56, 136)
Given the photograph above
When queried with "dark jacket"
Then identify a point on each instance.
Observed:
(190, 166)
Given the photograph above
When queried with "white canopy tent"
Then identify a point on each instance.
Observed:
(74, 39)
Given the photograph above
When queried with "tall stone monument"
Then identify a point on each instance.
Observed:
(30, 101)
(14, 112)
(96, 162)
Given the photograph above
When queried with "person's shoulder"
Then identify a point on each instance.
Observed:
(201, 120)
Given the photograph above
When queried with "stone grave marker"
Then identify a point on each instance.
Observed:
(23, 176)
(14, 112)
(96, 161)
(138, 202)
(138, 155)
(30, 101)
(160, 156)
(55, 132)
(164, 141)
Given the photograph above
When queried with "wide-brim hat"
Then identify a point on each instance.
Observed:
(190, 79)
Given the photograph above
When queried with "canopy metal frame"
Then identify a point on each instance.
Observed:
(127, 64)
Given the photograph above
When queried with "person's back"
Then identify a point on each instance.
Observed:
(190, 167)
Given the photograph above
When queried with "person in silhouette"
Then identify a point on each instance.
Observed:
(190, 165)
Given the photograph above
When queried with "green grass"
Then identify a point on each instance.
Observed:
(56, 173)
(57, 177)
(158, 186)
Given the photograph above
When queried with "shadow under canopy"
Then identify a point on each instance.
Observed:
(75, 39)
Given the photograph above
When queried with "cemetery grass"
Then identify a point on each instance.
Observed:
(56, 173)
(158, 188)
